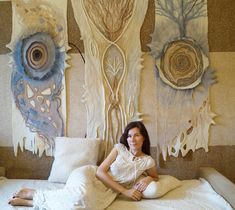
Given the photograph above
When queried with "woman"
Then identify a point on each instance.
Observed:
(95, 188)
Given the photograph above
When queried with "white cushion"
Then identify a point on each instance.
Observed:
(165, 184)
(71, 153)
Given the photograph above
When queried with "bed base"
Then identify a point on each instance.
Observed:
(220, 184)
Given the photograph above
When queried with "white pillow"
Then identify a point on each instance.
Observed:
(71, 153)
(165, 184)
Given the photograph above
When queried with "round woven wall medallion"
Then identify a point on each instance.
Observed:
(181, 65)
(36, 56)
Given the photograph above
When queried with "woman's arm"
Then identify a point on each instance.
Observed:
(103, 175)
(142, 184)
(152, 172)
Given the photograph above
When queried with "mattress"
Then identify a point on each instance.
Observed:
(195, 194)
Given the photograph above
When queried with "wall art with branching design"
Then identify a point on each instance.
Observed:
(111, 34)
(184, 76)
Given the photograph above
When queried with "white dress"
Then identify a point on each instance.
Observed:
(84, 191)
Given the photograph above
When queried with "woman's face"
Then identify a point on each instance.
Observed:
(135, 139)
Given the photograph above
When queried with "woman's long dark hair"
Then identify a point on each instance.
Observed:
(144, 133)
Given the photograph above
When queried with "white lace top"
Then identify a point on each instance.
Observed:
(127, 168)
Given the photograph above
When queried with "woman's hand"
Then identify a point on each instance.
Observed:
(142, 184)
(133, 194)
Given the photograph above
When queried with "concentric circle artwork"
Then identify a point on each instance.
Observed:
(38, 53)
(181, 65)
(39, 66)
(38, 59)
(36, 56)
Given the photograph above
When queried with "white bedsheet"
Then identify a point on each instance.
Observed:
(192, 195)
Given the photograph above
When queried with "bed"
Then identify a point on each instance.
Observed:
(211, 191)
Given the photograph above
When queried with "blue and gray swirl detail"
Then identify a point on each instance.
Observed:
(36, 83)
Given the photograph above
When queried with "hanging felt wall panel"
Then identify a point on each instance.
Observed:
(180, 48)
(38, 61)
(111, 34)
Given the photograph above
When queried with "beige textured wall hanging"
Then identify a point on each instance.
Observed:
(111, 34)
(180, 47)
(38, 60)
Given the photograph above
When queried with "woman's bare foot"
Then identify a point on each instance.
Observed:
(20, 202)
(25, 193)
